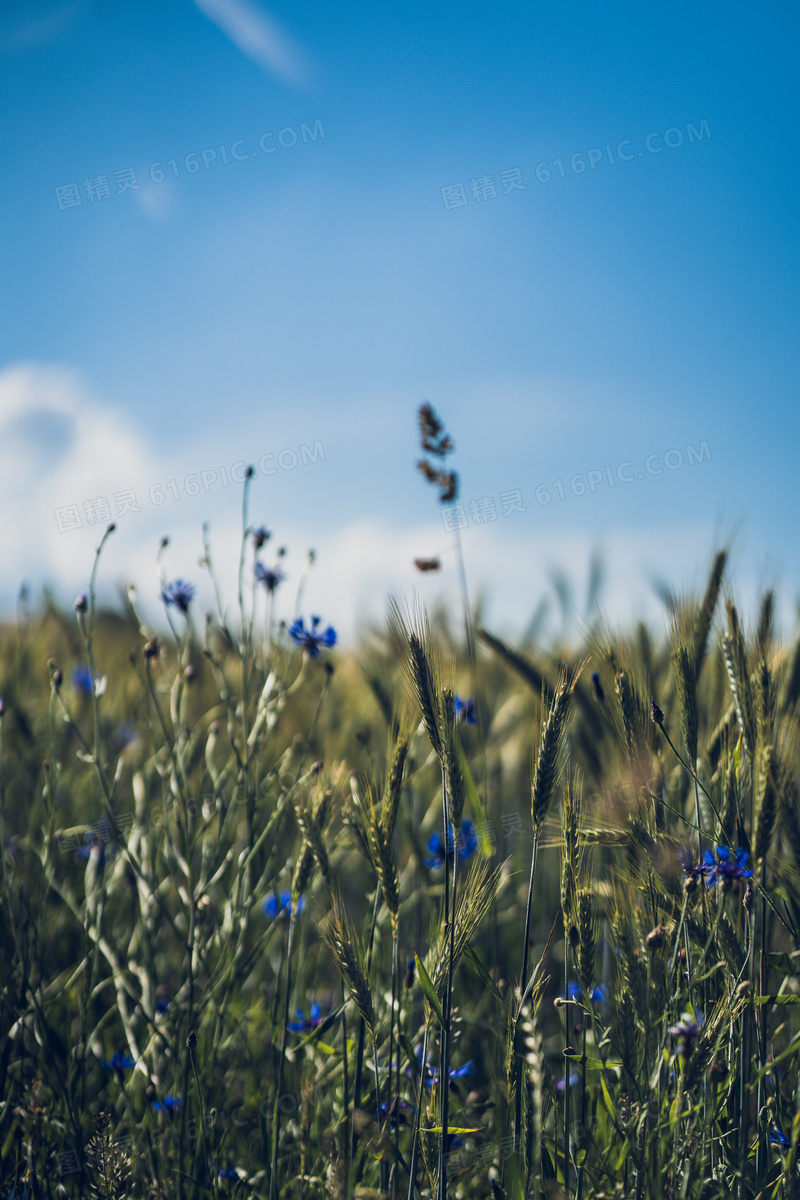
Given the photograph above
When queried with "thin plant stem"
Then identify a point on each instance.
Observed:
(276, 1112)
(583, 1101)
(523, 986)
(567, 1008)
(444, 1065)
(417, 1118)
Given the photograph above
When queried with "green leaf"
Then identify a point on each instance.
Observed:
(487, 846)
(790, 1050)
(326, 1049)
(595, 1064)
(480, 970)
(788, 999)
(607, 1096)
(429, 990)
(452, 1129)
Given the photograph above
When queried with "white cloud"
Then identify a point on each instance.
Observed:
(258, 36)
(60, 445)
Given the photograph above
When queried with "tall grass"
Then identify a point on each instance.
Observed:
(269, 909)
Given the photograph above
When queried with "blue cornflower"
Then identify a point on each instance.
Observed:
(168, 1104)
(310, 639)
(260, 536)
(455, 1073)
(572, 1079)
(688, 1030)
(123, 736)
(163, 1006)
(228, 1173)
(465, 711)
(598, 995)
(97, 844)
(119, 1062)
(305, 1023)
(432, 1073)
(269, 576)
(779, 1138)
(726, 869)
(274, 909)
(82, 680)
(467, 845)
(179, 593)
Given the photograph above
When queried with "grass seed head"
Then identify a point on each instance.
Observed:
(685, 687)
(767, 805)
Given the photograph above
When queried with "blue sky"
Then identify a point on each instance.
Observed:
(316, 291)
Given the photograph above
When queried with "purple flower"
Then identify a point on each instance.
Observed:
(396, 1110)
(465, 711)
(467, 845)
(688, 1031)
(269, 576)
(96, 845)
(310, 639)
(726, 869)
(572, 1079)
(304, 1023)
(122, 737)
(694, 872)
(274, 909)
(178, 593)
